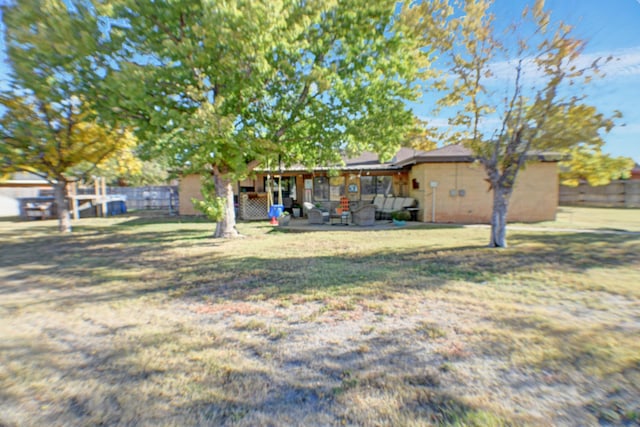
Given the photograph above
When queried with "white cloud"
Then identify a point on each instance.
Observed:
(626, 62)
(623, 63)
(486, 123)
(627, 129)
(439, 122)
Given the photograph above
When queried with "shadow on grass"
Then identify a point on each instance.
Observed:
(11, 219)
(581, 251)
(97, 259)
(103, 377)
(150, 377)
(163, 218)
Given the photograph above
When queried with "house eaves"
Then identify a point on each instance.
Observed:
(446, 154)
(25, 178)
(406, 157)
(457, 153)
(348, 167)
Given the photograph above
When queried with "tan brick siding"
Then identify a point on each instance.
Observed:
(189, 188)
(535, 197)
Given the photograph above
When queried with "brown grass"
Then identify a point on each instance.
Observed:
(148, 321)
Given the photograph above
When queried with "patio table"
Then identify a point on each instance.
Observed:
(343, 218)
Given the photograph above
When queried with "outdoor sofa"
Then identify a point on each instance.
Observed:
(386, 205)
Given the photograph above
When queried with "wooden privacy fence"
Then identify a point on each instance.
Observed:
(617, 194)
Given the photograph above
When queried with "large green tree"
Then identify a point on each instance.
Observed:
(538, 111)
(48, 125)
(226, 86)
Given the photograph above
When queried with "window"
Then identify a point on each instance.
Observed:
(325, 188)
(336, 187)
(320, 188)
(384, 185)
(372, 185)
(367, 185)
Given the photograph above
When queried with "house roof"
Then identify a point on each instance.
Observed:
(370, 159)
(410, 156)
(25, 178)
(448, 153)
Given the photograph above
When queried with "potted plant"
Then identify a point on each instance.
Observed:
(400, 217)
(296, 210)
(284, 219)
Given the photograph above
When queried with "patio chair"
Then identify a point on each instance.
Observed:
(364, 215)
(315, 215)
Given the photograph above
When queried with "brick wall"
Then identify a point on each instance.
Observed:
(189, 188)
(463, 196)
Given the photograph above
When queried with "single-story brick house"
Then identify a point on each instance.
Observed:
(446, 183)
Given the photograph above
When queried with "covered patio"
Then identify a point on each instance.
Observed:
(444, 185)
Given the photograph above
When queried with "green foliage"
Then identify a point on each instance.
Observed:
(49, 126)
(228, 86)
(535, 116)
(146, 172)
(212, 206)
(594, 167)
(401, 215)
(235, 84)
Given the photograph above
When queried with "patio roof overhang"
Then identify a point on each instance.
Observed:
(405, 158)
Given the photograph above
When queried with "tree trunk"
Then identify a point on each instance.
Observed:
(62, 206)
(501, 197)
(226, 228)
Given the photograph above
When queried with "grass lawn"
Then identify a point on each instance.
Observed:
(148, 321)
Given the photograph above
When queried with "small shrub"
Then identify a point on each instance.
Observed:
(401, 215)
(212, 206)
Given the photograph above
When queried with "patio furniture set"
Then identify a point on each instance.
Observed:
(364, 214)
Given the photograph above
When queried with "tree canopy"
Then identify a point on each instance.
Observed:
(591, 165)
(49, 126)
(221, 88)
(226, 86)
(524, 80)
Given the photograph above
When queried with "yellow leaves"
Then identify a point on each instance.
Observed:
(124, 162)
(588, 163)
(57, 140)
(538, 7)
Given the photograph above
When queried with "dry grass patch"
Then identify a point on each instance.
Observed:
(147, 321)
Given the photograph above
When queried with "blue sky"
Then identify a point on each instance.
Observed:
(612, 27)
